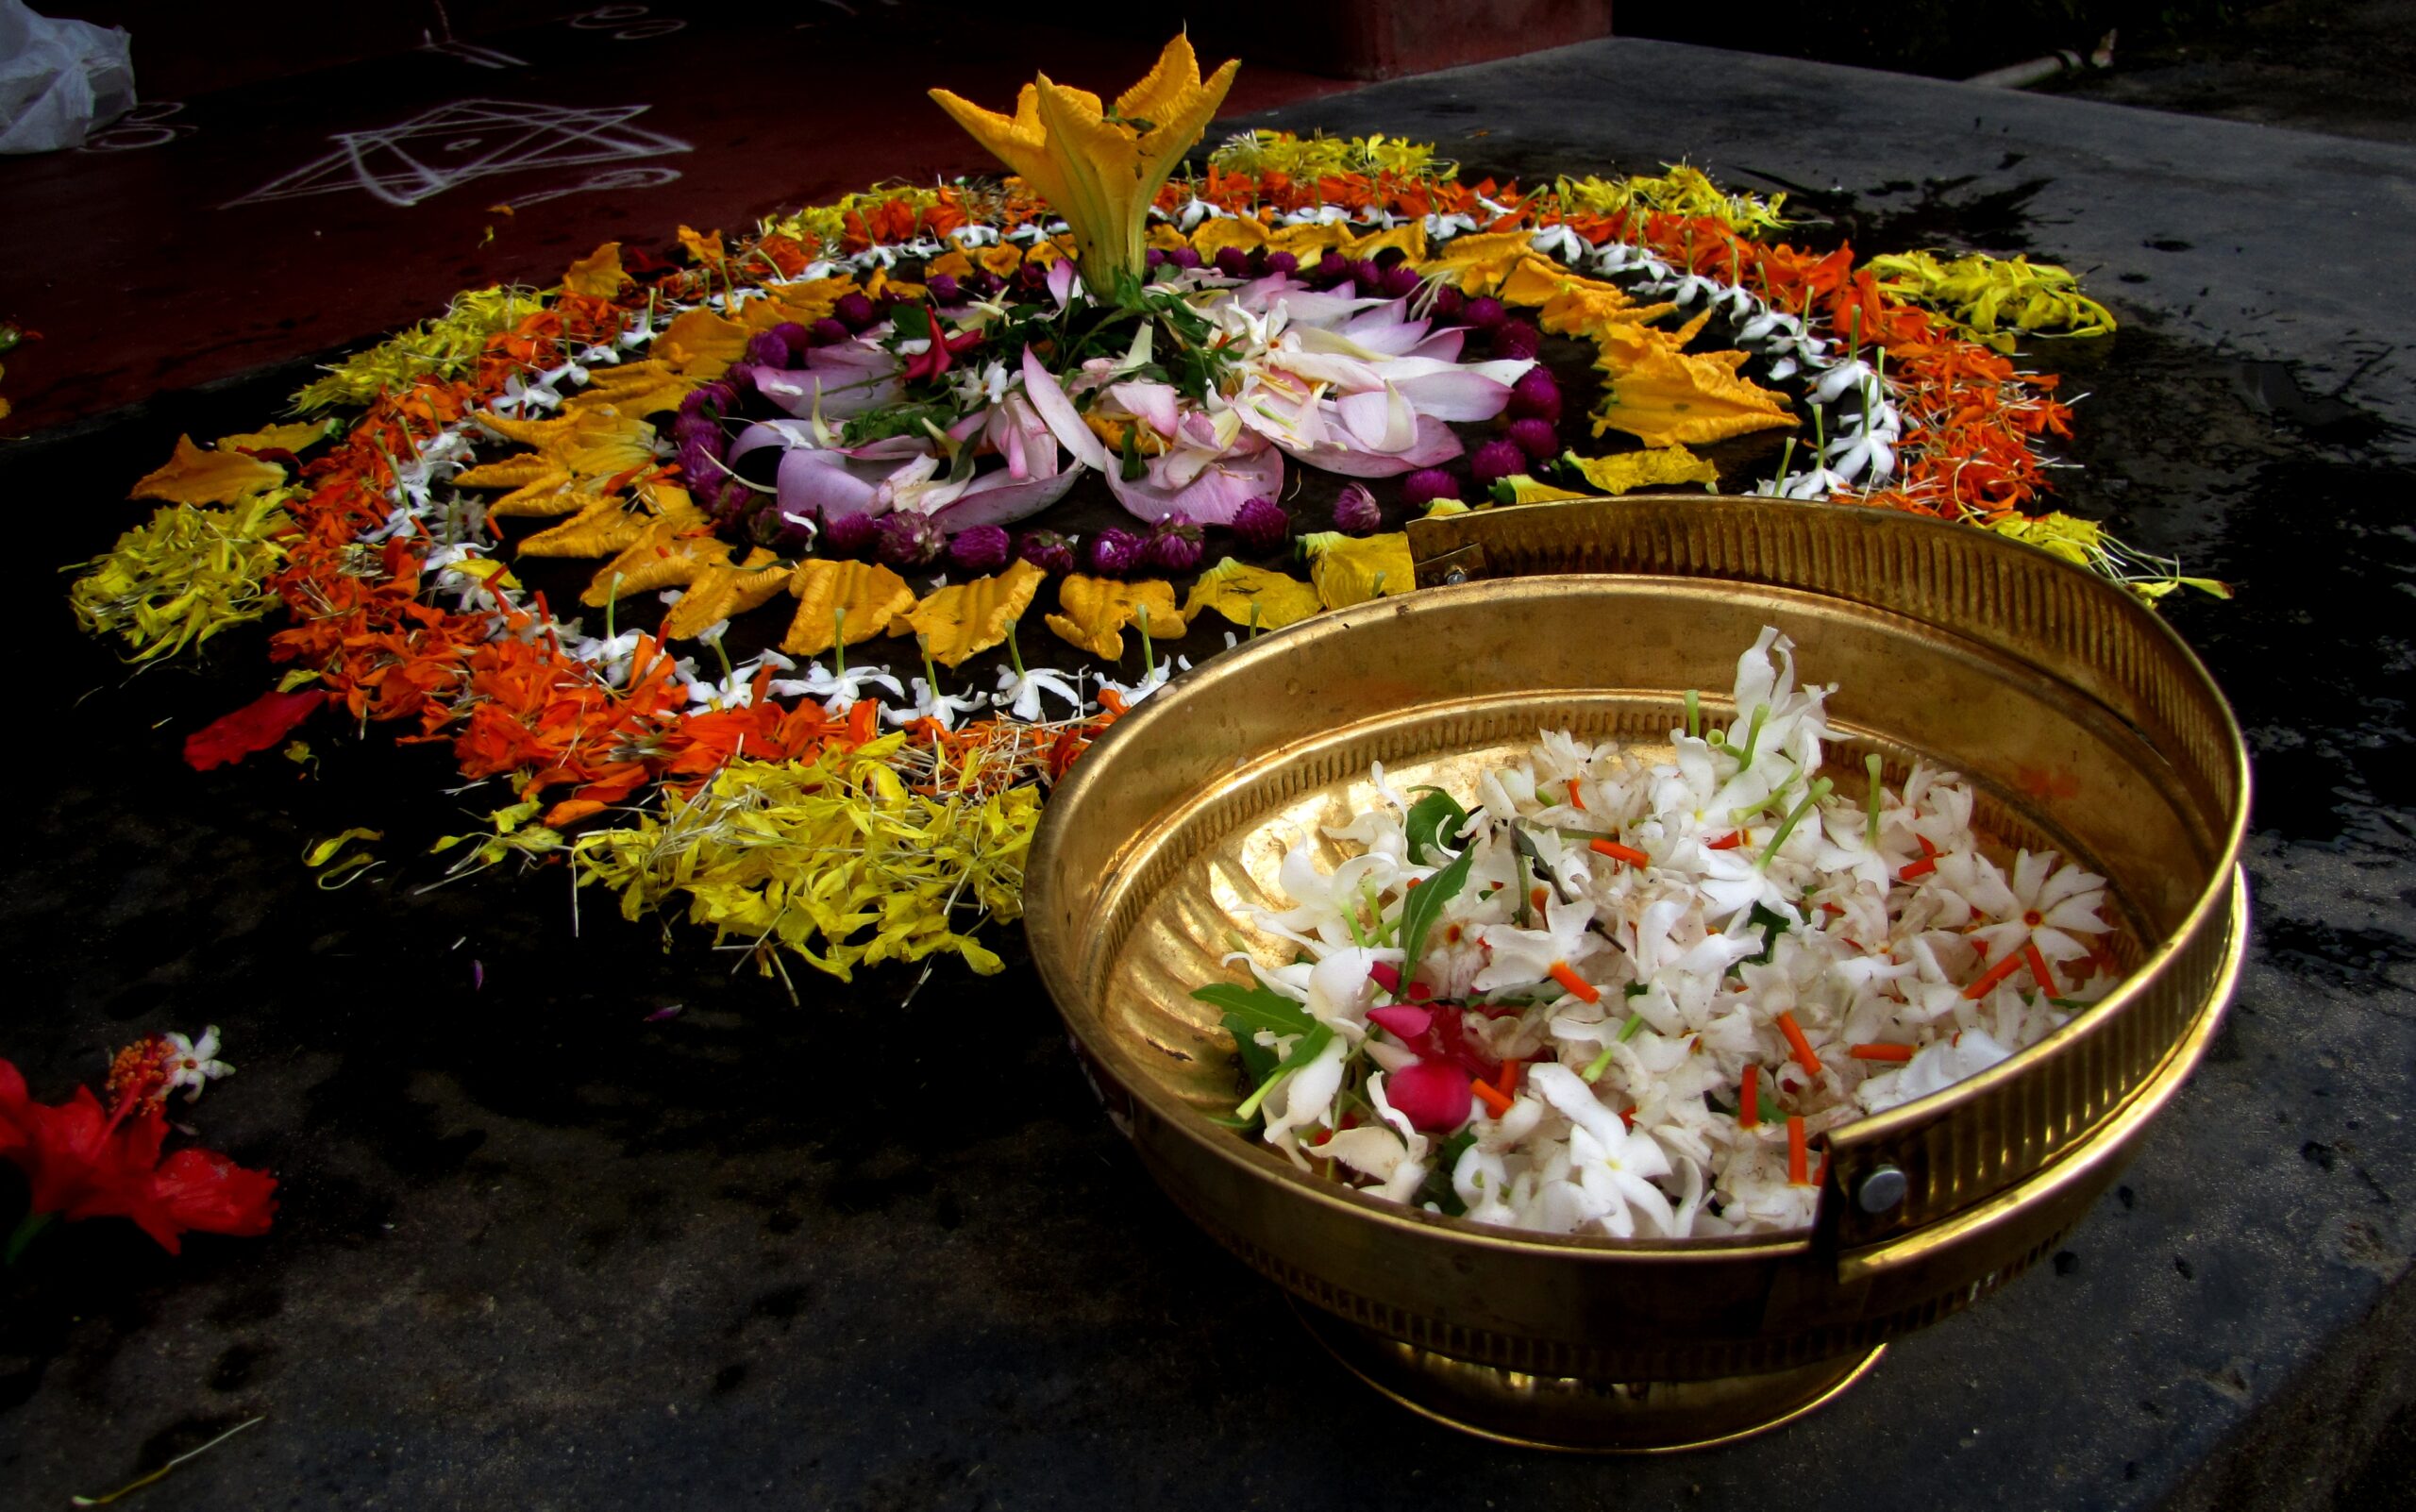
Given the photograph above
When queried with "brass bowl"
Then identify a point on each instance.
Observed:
(2084, 724)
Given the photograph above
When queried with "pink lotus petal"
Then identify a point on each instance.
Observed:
(842, 392)
(788, 434)
(1442, 347)
(822, 481)
(1048, 398)
(1456, 394)
(1153, 402)
(1061, 281)
(1380, 421)
(1433, 1095)
(999, 499)
(1435, 444)
(1405, 1023)
(1252, 469)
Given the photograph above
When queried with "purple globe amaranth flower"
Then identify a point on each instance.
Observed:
(1232, 262)
(1262, 525)
(701, 428)
(1046, 551)
(709, 399)
(1449, 303)
(1496, 461)
(766, 527)
(1183, 257)
(1332, 268)
(979, 549)
(701, 462)
(1370, 278)
(1401, 279)
(907, 539)
(1115, 552)
(799, 337)
(830, 332)
(855, 311)
(1284, 262)
(1175, 545)
(944, 289)
(1534, 437)
(1516, 339)
(766, 346)
(1428, 484)
(730, 498)
(1155, 258)
(1485, 313)
(1536, 397)
(848, 535)
(1355, 512)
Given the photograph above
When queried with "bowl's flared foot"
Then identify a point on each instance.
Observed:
(1581, 1416)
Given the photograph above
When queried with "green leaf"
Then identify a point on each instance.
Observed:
(1248, 1010)
(1772, 924)
(913, 322)
(1436, 1188)
(1433, 818)
(1425, 905)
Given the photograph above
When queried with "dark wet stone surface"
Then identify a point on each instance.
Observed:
(540, 1248)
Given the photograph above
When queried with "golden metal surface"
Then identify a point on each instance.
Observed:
(1581, 1416)
(2083, 723)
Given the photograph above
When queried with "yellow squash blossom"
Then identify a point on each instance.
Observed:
(1100, 167)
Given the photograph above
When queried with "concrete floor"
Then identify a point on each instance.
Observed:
(540, 1250)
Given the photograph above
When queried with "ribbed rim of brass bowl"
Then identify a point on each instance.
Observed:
(2083, 722)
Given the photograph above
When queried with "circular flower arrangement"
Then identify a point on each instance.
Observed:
(805, 484)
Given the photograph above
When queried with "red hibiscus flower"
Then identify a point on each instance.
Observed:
(83, 1162)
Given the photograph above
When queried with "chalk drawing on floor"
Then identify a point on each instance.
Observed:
(649, 177)
(469, 52)
(455, 144)
(146, 126)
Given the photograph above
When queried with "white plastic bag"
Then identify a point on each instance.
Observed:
(59, 79)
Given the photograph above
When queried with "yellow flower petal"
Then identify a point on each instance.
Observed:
(1670, 398)
(599, 274)
(1098, 609)
(193, 476)
(707, 249)
(1657, 469)
(298, 438)
(602, 529)
(1252, 596)
(871, 594)
(1099, 171)
(1477, 263)
(722, 593)
(701, 345)
(966, 617)
(661, 558)
(1352, 569)
(1215, 235)
(1525, 489)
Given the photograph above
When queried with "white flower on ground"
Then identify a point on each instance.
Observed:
(519, 397)
(1019, 692)
(837, 692)
(194, 1064)
(929, 703)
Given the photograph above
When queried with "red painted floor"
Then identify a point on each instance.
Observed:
(210, 238)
